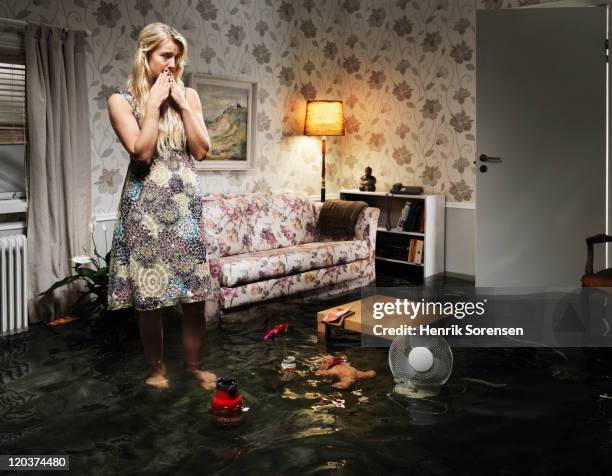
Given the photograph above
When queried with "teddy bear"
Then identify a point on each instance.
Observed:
(337, 366)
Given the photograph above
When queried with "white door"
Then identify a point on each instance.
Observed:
(541, 110)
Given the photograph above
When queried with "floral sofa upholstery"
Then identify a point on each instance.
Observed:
(266, 245)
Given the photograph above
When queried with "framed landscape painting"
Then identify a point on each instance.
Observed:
(228, 107)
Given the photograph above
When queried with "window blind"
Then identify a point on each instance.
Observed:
(12, 95)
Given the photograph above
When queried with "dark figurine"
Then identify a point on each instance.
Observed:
(367, 183)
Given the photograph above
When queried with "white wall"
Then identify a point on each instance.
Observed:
(460, 239)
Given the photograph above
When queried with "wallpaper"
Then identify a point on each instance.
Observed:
(407, 70)
(404, 69)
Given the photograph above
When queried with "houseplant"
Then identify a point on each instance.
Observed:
(93, 272)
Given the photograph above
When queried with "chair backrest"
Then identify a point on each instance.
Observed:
(603, 278)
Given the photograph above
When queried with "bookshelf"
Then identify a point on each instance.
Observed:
(394, 244)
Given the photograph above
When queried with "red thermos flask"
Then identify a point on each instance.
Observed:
(226, 403)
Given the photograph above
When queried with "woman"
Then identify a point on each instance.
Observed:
(158, 255)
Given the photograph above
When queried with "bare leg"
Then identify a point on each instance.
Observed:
(194, 328)
(151, 335)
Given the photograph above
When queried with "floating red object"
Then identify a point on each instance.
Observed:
(226, 404)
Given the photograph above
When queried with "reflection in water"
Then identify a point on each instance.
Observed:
(484, 382)
(327, 402)
(421, 407)
(78, 389)
(528, 343)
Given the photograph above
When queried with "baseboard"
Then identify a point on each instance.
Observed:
(461, 205)
(106, 217)
(465, 277)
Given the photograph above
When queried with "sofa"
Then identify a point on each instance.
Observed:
(265, 245)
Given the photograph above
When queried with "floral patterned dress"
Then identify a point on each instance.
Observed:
(158, 256)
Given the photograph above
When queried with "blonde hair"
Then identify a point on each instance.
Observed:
(171, 130)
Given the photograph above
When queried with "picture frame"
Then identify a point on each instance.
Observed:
(228, 107)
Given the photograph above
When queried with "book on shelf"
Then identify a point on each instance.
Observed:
(419, 252)
(415, 251)
(403, 216)
(417, 217)
(421, 221)
(410, 251)
(411, 223)
(406, 225)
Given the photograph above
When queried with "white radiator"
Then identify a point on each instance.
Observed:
(13, 295)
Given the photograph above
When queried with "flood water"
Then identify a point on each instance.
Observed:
(78, 390)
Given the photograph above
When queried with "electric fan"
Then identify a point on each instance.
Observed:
(420, 365)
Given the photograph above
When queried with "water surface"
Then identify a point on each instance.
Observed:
(78, 390)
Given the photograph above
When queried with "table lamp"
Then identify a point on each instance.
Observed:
(324, 118)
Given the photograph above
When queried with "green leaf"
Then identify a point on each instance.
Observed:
(100, 278)
(87, 272)
(61, 283)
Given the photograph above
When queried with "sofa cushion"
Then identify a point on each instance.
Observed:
(361, 271)
(225, 217)
(261, 265)
(279, 220)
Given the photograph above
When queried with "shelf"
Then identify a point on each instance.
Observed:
(411, 197)
(359, 192)
(397, 231)
(382, 194)
(398, 261)
(393, 245)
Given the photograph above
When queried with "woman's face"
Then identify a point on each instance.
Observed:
(166, 55)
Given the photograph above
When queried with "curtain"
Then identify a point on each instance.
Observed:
(58, 163)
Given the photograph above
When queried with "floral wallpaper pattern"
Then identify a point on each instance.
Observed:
(406, 73)
(404, 69)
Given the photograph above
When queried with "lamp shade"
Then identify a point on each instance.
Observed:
(324, 118)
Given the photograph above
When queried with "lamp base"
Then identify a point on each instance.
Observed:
(323, 150)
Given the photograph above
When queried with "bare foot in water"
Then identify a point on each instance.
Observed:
(158, 380)
(208, 380)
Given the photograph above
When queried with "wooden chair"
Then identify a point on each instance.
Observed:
(603, 278)
(592, 284)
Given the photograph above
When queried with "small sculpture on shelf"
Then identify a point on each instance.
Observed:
(367, 183)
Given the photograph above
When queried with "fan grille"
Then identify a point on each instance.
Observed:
(403, 372)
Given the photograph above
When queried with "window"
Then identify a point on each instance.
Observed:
(12, 117)
(12, 97)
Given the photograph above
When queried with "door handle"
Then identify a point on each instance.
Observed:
(485, 158)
